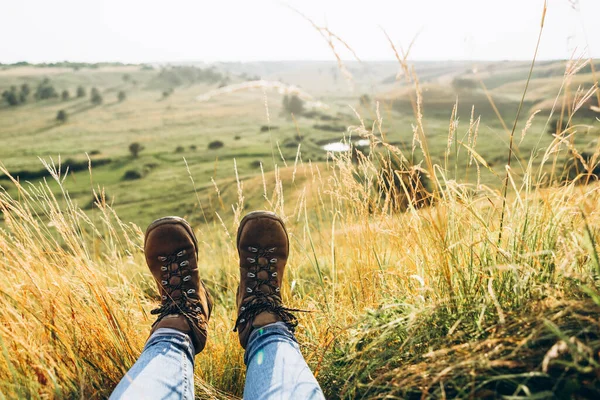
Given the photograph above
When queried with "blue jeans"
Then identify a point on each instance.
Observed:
(275, 368)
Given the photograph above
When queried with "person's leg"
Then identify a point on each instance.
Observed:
(165, 369)
(275, 367)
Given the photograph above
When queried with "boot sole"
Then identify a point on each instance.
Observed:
(176, 221)
(256, 215)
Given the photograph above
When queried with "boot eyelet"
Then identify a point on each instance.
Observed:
(273, 260)
(242, 320)
(274, 274)
(278, 290)
(184, 263)
(198, 309)
(251, 275)
(187, 278)
(191, 291)
(164, 297)
(271, 250)
(251, 260)
(252, 249)
(243, 308)
(248, 290)
(164, 282)
(163, 268)
(181, 253)
(162, 258)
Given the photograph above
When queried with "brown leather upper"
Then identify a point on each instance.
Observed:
(171, 253)
(263, 248)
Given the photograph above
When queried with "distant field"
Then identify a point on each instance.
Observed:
(178, 126)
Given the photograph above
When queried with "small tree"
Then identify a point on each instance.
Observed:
(24, 94)
(293, 105)
(96, 97)
(62, 116)
(365, 100)
(122, 95)
(65, 95)
(135, 148)
(11, 97)
(45, 90)
(126, 77)
(216, 144)
(80, 91)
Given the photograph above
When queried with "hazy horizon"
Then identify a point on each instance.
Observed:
(266, 30)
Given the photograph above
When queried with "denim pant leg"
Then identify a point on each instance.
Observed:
(275, 367)
(165, 369)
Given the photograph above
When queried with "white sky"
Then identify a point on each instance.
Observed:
(249, 30)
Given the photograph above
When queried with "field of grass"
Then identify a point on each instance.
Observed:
(473, 293)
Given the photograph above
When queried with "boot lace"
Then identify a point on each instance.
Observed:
(188, 302)
(257, 301)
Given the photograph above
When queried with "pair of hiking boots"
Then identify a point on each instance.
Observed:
(171, 250)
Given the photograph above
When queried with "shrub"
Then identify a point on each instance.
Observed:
(62, 116)
(293, 104)
(179, 149)
(267, 128)
(131, 175)
(237, 137)
(365, 100)
(11, 97)
(80, 91)
(193, 147)
(96, 97)
(45, 90)
(216, 144)
(122, 95)
(65, 95)
(24, 94)
(135, 148)
(94, 152)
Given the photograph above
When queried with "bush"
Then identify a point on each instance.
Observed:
(293, 104)
(96, 97)
(62, 116)
(216, 144)
(11, 97)
(179, 149)
(365, 100)
(237, 137)
(267, 128)
(167, 93)
(132, 175)
(45, 90)
(80, 91)
(135, 148)
(122, 95)
(94, 152)
(24, 94)
(65, 95)
(193, 147)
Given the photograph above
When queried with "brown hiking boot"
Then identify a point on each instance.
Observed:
(263, 247)
(171, 251)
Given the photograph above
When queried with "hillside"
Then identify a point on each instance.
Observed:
(431, 269)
